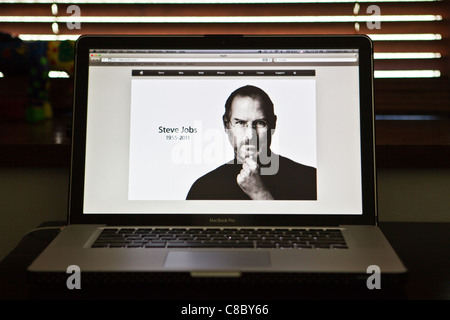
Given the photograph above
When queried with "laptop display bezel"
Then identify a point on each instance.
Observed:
(367, 138)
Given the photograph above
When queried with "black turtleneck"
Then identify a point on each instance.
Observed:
(293, 181)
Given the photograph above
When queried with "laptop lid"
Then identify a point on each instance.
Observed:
(159, 121)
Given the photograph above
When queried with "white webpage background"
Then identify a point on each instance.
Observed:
(337, 161)
(165, 169)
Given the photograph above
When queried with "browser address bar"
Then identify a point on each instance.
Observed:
(156, 60)
(325, 59)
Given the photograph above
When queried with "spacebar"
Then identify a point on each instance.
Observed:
(246, 244)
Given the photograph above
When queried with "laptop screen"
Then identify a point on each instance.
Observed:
(211, 131)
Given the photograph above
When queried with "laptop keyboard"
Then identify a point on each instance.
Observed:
(305, 238)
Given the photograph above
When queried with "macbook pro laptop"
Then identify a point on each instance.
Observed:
(204, 157)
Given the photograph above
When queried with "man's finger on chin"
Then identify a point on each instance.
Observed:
(251, 160)
(243, 173)
(252, 164)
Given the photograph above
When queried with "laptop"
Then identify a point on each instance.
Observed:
(218, 157)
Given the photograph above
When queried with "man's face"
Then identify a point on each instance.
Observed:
(248, 129)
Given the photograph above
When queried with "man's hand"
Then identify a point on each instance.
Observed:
(249, 179)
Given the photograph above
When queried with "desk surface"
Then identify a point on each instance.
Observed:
(423, 247)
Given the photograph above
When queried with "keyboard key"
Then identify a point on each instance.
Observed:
(150, 238)
(99, 245)
(300, 243)
(127, 230)
(202, 238)
(266, 245)
(159, 241)
(283, 244)
(135, 245)
(144, 229)
(135, 237)
(185, 237)
(176, 241)
(244, 244)
(321, 246)
(155, 245)
(191, 245)
(105, 231)
(117, 245)
(140, 241)
(339, 246)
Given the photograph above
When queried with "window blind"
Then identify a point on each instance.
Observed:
(411, 37)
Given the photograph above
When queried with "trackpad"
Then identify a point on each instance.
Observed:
(216, 260)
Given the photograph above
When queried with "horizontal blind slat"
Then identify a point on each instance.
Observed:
(278, 28)
(441, 46)
(412, 96)
(411, 64)
(304, 9)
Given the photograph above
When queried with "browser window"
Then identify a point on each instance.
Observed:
(218, 131)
